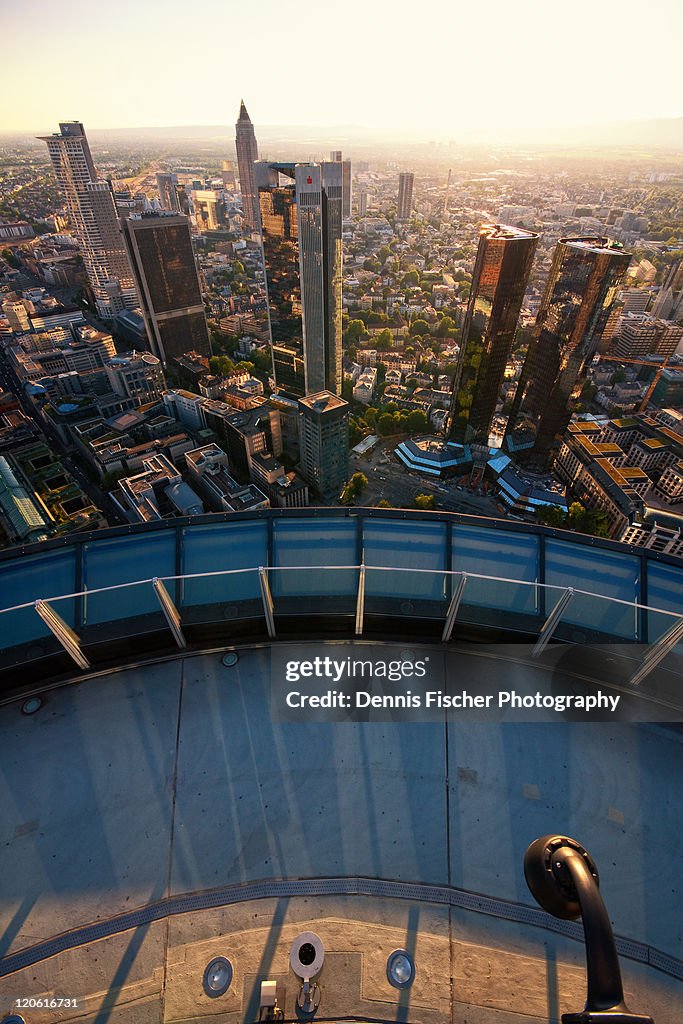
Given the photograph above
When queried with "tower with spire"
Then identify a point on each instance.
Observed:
(247, 153)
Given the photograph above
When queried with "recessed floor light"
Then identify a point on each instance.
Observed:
(229, 659)
(29, 707)
(217, 976)
(400, 969)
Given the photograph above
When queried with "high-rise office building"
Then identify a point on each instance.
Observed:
(336, 157)
(669, 303)
(501, 272)
(167, 186)
(324, 442)
(346, 189)
(160, 249)
(584, 278)
(362, 203)
(92, 212)
(300, 210)
(247, 153)
(228, 174)
(406, 180)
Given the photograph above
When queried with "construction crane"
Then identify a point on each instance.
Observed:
(642, 362)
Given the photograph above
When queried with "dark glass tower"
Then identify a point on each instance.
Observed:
(161, 254)
(247, 153)
(584, 278)
(501, 272)
(301, 220)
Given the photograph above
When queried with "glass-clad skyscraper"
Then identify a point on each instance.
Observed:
(584, 278)
(501, 272)
(300, 209)
(92, 213)
(162, 257)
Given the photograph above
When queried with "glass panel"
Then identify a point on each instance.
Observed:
(109, 562)
(314, 591)
(506, 605)
(589, 618)
(498, 553)
(323, 543)
(27, 578)
(418, 594)
(659, 623)
(607, 573)
(214, 548)
(314, 542)
(411, 545)
(665, 587)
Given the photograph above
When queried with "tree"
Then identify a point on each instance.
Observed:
(355, 330)
(384, 504)
(551, 515)
(222, 366)
(587, 520)
(425, 502)
(385, 424)
(383, 341)
(237, 267)
(410, 280)
(419, 327)
(416, 422)
(447, 328)
(371, 416)
(354, 487)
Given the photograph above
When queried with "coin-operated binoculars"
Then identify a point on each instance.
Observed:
(563, 879)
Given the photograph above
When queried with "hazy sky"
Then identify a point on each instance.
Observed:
(441, 67)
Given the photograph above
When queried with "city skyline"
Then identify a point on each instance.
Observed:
(537, 100)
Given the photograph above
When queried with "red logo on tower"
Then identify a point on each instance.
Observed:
(309, 180)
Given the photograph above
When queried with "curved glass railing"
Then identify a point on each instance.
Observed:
(332, 569)
(79, 623)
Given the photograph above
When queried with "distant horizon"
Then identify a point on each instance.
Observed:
(443, 71)
(660, 132)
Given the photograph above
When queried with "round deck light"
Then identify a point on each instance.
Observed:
(230, 658)
(400, 969)
(217, 976)
(29, 707)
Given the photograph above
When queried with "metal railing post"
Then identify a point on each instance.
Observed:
(267, 598)
(658, 652)
(453, 608)
(171, 613)
(551, 623)
(64, 633)
(360, 600)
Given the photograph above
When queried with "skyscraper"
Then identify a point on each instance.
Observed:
(346, 189)
(92, 212)
(324, 442)
(300, 211)
(336, 157)
(582, 285)
(669, 303)
(160, 249)
(406, 181)
(247, 153)
(501, 272)
(167, 185)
